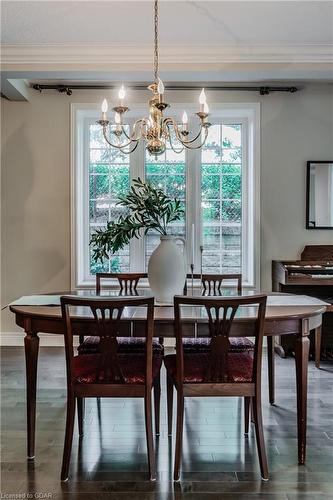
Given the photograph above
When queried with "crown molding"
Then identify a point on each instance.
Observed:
(127, 55)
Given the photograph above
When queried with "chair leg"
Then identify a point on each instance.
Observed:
(68, 438)
(252, 411)
(179, 434)
(149, 435)
(80, 414)
(271, 369)
(169, 403)
(260, 438)
(318, 332)
(157, 401)
(247, 402)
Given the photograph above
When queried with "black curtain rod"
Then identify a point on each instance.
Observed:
(263, 89)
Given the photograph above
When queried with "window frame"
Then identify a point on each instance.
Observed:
(248, 114)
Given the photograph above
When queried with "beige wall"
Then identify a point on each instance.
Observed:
(36, 190)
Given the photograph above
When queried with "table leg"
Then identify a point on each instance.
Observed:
(31, 344)
(271, 369)
(302, 346)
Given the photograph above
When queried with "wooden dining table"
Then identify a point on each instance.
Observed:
(297, 320)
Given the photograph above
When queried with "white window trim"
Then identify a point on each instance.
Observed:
(248, 113)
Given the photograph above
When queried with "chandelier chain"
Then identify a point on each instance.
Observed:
(156, 41)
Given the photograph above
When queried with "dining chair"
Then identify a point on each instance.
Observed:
(219, 371)
(212, 284)
(109, 373)
(128, 283)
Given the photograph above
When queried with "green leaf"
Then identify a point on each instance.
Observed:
(149, 209)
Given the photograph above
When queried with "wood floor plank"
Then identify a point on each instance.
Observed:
(110, 462)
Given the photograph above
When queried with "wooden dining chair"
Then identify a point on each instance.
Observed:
(212, 284)
(128, 283)
(220, 371)
(109, 373)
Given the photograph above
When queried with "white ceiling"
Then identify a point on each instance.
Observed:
(200, 41)
(228, 22)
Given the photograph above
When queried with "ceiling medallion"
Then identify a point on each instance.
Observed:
(156, 130)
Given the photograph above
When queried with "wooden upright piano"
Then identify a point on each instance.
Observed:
(311, 275)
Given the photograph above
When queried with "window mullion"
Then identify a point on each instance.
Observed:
(193, 204)
(86, 206)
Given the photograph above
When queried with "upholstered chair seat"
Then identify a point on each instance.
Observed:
(132, 367)
(239, 367)
(90, 345)
(237, 344)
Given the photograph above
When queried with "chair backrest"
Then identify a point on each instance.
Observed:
(220, 316)
(106, 314)
(213, 283)
(128, 282)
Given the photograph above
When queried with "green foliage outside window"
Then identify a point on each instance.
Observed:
(221, 187)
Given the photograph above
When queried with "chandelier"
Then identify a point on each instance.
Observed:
(156, 130)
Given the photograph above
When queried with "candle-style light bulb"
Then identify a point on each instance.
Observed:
(104, 109)
(104, 106)
(185, 121)
(202, 100)
(160, 87)
(205, 108)
(121, 95)
(202, 96)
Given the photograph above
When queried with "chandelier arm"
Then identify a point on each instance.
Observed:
(178, 151)
(190, 141)
(133, 136)
(199, 146)
(130, 138)
(188, 144)
(132, 150)
(117, 146)
(171, 121)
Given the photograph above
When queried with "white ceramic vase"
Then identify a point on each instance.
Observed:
(167, 269)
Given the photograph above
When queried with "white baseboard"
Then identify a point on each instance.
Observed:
(16, 339)
(50, 340)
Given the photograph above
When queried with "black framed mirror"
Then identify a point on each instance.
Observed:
(319, 195)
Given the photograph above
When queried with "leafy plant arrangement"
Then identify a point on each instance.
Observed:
(149, 209)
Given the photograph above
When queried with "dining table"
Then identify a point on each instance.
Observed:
(286, 314)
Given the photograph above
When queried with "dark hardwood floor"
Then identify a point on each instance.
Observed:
(110, 461)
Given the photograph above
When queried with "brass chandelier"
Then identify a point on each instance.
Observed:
(156, 130)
